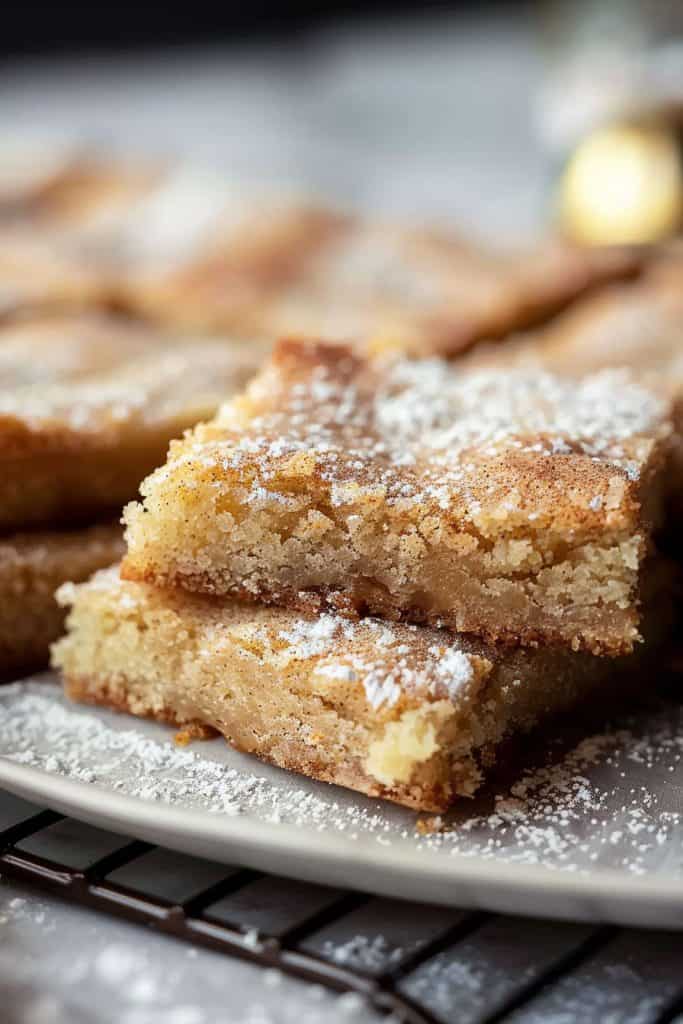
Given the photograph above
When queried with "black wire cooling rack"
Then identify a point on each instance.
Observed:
(423, 964)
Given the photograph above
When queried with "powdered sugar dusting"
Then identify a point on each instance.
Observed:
(612, 801)
(428, 404)
(455, 669)
(312, 637)
(390, 664)
(382, 690)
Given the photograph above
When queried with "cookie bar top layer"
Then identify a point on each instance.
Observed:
(509, 505)
(638, 325)
(56, 349)
(88, 406)
(62, 214)
(232, 281)
(197, 250)
(403, 712)
(63, 184)
(93, 387)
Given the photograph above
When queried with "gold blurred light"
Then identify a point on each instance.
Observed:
(623, 185)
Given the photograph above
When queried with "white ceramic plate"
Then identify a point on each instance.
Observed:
(598, 836)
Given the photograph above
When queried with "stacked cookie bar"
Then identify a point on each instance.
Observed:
(374, 571)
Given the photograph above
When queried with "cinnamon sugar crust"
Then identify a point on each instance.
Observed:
(32, 566)
(67, 184)
(35, 277)
(407, 713)
(514, 506)
(90, 230)
(88, 405)
(426, 293)
(232, 281)
(637, 325)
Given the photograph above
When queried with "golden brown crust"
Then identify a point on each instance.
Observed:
(58, 220)
(186, 248)
(320, 273)
(35, 279)
(65, 185)
(78, 228)
(637, 325)
(75, 487)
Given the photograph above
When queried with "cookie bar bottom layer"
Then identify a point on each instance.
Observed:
(32, 566)
(407, 713)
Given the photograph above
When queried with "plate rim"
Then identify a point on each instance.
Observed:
(458, 880)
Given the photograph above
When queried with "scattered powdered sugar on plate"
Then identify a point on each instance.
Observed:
(592, 808)
(614, 800)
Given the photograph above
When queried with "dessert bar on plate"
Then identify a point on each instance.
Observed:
(516, 506)
(88, 406)
(32, 566)
(408, 713)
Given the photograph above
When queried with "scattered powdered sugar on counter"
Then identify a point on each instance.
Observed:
(369, 953)
(614, 800)
(62, 964)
